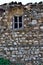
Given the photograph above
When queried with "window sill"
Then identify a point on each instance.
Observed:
(18, 29)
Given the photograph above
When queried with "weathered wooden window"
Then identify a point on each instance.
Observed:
(17, 22)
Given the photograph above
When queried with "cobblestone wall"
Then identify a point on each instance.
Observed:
(24, 45)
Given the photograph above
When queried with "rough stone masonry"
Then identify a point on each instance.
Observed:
(25, 44)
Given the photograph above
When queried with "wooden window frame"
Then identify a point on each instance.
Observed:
(17, 22)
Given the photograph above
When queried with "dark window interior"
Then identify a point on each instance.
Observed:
(20, 21)
(17, 22)
(15, 18)
(16, 25)
(20, 18)
(20, 25)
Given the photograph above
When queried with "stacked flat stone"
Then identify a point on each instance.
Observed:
(23, 45)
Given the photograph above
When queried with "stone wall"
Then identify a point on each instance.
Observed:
(26, 45)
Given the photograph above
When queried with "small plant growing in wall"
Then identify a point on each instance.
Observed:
(40, 64)
(4, 61)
